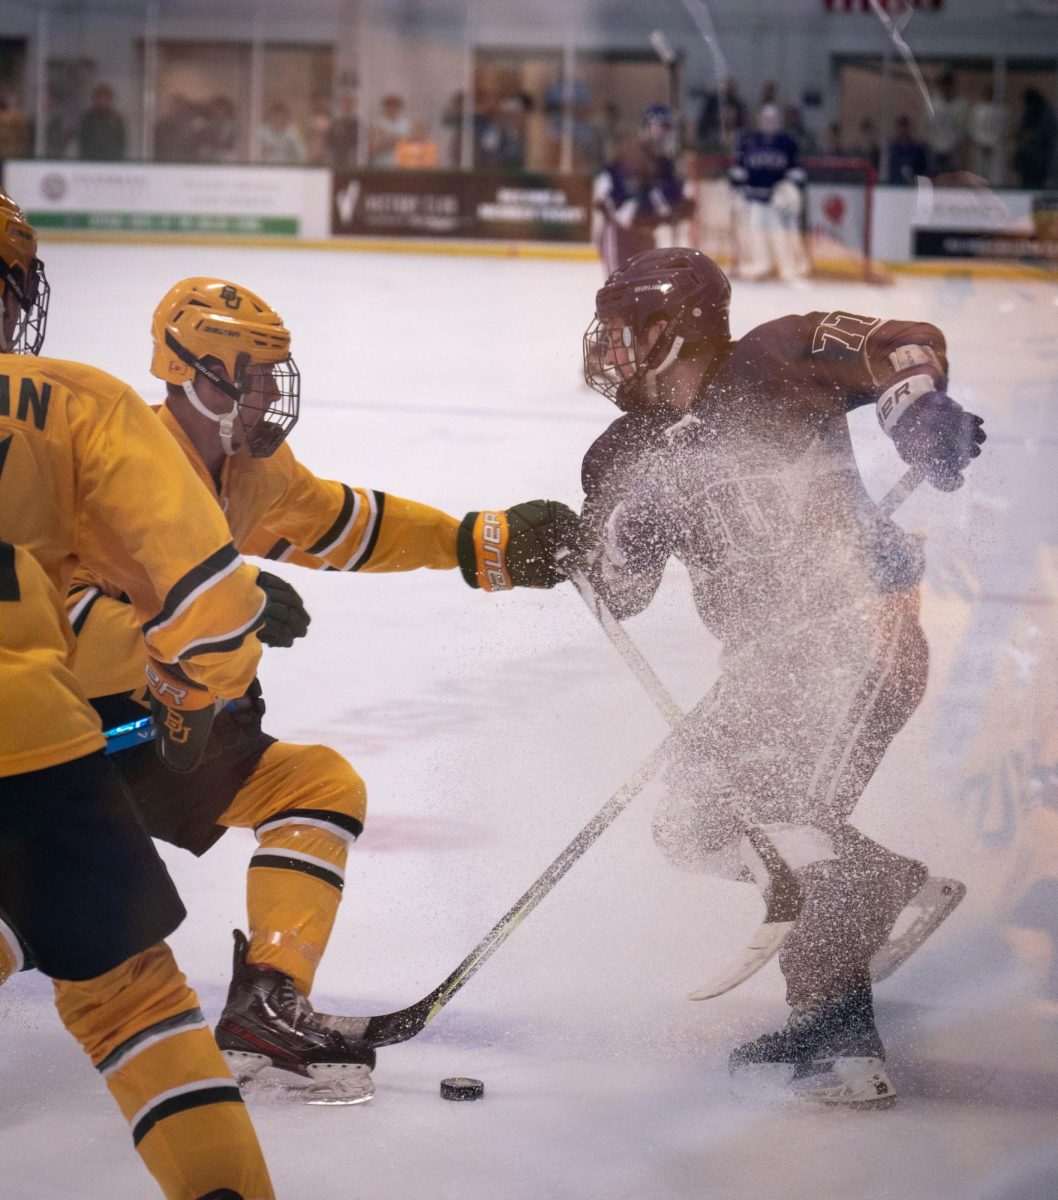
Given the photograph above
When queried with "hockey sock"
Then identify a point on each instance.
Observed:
(293, 889)
(11, 954)
(305, 804)
(142, 1028)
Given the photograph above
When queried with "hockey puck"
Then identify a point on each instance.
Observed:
(461, 1088)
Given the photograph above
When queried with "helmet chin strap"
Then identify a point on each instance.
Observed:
(226, 421)
(670, 358)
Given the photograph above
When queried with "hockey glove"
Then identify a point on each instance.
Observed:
(183, 715)
(940, 436)
(516, 547)
(285, 618)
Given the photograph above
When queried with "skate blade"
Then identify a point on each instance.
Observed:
(339, 1083)
(326, 1083)
(846, 1083)
(934, 902)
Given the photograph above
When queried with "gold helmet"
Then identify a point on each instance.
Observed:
(204, 322)
(22, 272)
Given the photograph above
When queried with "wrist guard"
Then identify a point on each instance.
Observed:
(183, 715)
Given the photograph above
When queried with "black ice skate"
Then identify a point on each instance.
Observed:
(267, 1022)
(832, 1052)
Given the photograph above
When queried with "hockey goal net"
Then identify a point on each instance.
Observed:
(836, 221)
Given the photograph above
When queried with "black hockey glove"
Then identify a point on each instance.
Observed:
(285, 618)
(941, 436)
(516, 547)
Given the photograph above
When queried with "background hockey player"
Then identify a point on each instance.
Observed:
(233, 395)
(768, 181)
(87, 474)
(640, 191)
(735, 457)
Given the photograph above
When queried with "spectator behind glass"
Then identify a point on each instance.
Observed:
(14, 129)
(452, 120)
(57, 133)
(178, 136)
(987, 122)
(721, 120)
(392, 124)
(101, 134)
(344, 136)
(220, 132)
(867, 146)
(1034, 140)
(418, 151)
(833, 146)
(489, 150)
(794, 126)
(949, 128)
(318, 131)
(278, 140)
(907, 155)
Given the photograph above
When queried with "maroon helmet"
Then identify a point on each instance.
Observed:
(683, 287)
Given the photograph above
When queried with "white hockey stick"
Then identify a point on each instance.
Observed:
(783, 899)
(783, 896)
(387, 1029)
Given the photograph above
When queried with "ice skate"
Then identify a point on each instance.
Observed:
(268, 1023)
(830, 1050)
(931, 905)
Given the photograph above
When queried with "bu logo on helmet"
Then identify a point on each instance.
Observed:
(231, 297)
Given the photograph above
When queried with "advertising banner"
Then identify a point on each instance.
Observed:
(1023, 228)
(460, 204)
(168, 198)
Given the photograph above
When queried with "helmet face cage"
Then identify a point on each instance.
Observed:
(682, 287)
(269, 404)
(33, 296)
(611, 365)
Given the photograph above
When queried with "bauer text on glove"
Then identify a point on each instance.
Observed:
(515, 547)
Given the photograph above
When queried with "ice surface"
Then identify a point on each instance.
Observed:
(490, 729)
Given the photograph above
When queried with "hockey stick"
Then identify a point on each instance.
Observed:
(782, 898)
(900, 490)
(121, 737)
(387, 1029)
(390, 1028)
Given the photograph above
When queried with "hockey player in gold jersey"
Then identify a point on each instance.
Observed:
(86, 475)
(232, 396)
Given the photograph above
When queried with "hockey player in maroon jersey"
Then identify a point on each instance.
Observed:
(736, 458)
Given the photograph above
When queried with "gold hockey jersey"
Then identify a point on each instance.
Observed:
(36, 685)
(276, 508)
(88, 476)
